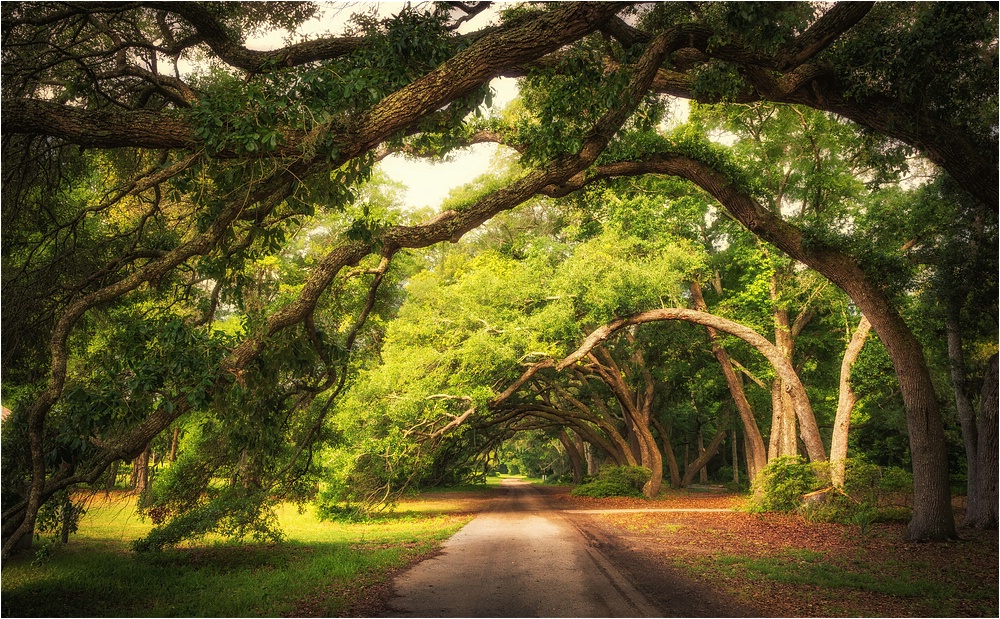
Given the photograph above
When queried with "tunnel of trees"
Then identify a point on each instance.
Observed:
(204, 269)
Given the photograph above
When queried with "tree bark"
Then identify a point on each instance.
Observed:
(173, 444)
(845, 404)
(140, 472)
(702, 460)
(756, 453)
(702, 471)
(987, 449)
(113, 475)
(782, 411)
(668, 454)
(736, 461)
(592, 464)
(774, 440)
(575, 461)
(963, 403)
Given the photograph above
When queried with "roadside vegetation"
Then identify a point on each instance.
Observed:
(321, 568)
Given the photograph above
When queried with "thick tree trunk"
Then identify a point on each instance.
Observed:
(783, 412)
(140, 472)
(668, 454)
(963, 403)
(775, 441)
(706, 456)
(932, 514)
(736, 460)
(633, 439)
(675, 474)
(756, 453)
(652, 460)
(987, 450)
(575, 460)
(702, 471)
(113, 475)
(845, 404)
(789, 427)
(592, 464)
(66, 517)
(174, 441)
(580, 445)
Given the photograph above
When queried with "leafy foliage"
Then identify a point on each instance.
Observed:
(780, 486)
(615, 481)
(236, 515)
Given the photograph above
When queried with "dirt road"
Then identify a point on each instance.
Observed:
(518, 559)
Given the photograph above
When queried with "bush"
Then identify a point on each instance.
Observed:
(780, 486)
(722, 475)
(862, 501)
(615, 481)
(865, 496)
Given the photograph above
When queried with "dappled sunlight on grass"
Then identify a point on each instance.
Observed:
(321, 568)
(110, 518)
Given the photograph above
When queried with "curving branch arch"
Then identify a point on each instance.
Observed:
(800, 401)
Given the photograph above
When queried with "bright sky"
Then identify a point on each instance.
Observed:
(427, 182)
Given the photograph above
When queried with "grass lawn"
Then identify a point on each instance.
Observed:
(323, 569)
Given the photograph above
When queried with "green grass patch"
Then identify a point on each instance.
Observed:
(95, 575)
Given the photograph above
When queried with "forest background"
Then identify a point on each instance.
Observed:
(205, 277)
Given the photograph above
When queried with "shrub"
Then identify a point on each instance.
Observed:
(615, 481)
(865, 495)
(862, 501)
(722, 475)
(560, 480)
(780, 486)
(232, 513)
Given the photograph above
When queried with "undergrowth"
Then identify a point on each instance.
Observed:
(615, 481)
(868, 495)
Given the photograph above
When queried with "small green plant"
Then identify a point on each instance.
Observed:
(45, 550)
(615, 481)
(864, 518)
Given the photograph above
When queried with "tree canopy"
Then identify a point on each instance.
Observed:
(206, 248)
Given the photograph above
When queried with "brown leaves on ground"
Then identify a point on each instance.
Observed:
(782, 565)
